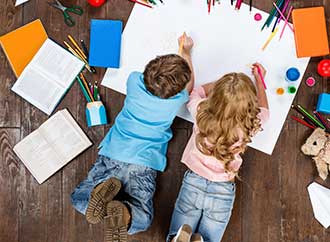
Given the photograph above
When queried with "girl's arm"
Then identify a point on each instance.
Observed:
(208, 87)
(186, 54)
(262, 97)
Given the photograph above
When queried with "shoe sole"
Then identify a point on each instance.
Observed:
(100, 196)
(116, 222)
(184, 234)
(196, 238)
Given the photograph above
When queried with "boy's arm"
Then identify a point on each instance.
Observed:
(261, 94)
(185, 52)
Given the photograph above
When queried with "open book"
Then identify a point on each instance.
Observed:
(54, 144)
(48, 76)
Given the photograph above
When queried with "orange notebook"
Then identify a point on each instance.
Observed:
(21, 45)
(310, 32)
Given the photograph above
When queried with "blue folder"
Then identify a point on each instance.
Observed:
(105, 43)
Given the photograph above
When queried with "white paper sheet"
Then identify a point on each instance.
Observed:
(225, 41)
(320, 199)
(19, 2)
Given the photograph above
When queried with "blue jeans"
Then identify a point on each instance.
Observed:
(138, 183)
(204, 205)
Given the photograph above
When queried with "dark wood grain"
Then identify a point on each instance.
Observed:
(272, 203)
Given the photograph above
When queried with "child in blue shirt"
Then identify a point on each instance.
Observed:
(135, 147)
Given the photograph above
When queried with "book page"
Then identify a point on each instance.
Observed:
(57, 63)
(37, 89)
(65, 136)
(37, 156)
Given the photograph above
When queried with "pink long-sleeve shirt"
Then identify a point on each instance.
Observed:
(208, 166)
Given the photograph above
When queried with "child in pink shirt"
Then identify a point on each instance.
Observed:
(227, 114)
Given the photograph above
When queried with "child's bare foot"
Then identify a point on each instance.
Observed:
(184, 234)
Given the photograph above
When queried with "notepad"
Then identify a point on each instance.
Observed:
(105, 43)
(21, 45)
(54, 144)
(310, 32)
(48, 76)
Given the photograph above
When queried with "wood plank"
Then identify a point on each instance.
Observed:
(10, 19)
(9, 173)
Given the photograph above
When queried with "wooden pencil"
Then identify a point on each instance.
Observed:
(80, 51)
(86, 86)
(302, 122)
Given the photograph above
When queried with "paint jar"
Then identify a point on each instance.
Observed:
(292, 89)
(280, 91)
(292, 74)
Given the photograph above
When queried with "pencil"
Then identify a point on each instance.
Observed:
(307, 114)
(209, 6)
(83, 90)
(238, 4)
(272, 35)
(183, 39)
(250, 6)
(96, 91)
(84, 47)
(141, 3)
(302, 122)
(261, 76)
(77, 46)
(279, 11)
(86, 86)
(286, 21)
(321, 119)
(77, 55)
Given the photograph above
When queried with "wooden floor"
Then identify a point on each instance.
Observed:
(271, 205)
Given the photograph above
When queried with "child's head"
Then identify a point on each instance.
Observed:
(228, 114)
(167, 75)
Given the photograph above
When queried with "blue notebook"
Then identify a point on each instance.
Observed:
(105, 43)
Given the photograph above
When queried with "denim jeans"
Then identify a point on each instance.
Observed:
(204, 205)
(138, 183)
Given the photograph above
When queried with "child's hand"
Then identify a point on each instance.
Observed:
(255, 71)
(187, 44)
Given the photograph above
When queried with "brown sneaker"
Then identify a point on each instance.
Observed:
(196, 238)
(101, 195)
(184, 234)
(116, 222)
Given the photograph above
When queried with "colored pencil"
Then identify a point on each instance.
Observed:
(272, 35)
(284, 9)
(238, 4)
(309, 116)
(232, 2)
(209, 6)
(302, 122)
(271, 16)
(83, 90)
(96, 91)
(250, 5)
(77, 46)
(261, 76)
(141, 3)
(78, 56)
(86, 86)
(82, 42)
(321, 119)
(286, 21)
(279, 11)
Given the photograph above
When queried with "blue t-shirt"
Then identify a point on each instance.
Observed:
(142, 130)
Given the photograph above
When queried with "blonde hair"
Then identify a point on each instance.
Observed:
(227, 116)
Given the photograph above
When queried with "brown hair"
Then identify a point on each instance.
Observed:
(167, 75)
(227, 116)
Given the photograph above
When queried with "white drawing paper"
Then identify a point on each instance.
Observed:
(19, 2)
(320, 199)
(226, 41)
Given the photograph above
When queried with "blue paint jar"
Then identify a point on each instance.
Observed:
(292, 74)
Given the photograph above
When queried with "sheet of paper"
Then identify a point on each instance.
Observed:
(320, 199)
(19, 2)
(53, 145)
(225, 41)
(48, 76)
